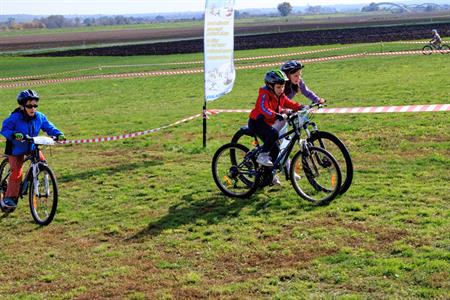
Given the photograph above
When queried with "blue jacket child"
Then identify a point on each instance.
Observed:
(24, 120)
(19, 122)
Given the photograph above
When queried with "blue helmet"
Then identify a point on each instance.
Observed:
(275, 76)
(26, 95)
(291, 66)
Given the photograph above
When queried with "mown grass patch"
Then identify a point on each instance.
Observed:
(142, 218)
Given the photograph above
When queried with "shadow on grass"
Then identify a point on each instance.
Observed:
(107, 171)
(211, 209)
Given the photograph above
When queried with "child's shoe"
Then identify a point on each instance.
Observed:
(264, 159)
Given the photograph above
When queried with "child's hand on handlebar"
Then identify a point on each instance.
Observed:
(286, 111)
(18, 136)
(281, 117)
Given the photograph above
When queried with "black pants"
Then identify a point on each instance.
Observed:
(267, 134)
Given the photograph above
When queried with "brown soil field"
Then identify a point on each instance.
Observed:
(283, 39)
(294, 32)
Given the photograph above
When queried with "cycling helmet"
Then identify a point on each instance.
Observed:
(434, 31)
(275, 77)
(291, 66)
(26, 95)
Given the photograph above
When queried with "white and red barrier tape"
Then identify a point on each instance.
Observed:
(193, 71)
(355, 110)
(339, 110)
(163, 64)
(199, 62)
(128, 135)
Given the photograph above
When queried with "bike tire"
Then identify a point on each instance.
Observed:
(311, 192)
(446, 49)
(427, 50)
(243, 133)
(322, 139)
(42, 213)
(4, 174)
(233, 171)
(316, 136)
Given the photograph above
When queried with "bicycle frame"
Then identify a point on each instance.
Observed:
(302, 124)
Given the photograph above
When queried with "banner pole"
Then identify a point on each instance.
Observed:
(204, 125)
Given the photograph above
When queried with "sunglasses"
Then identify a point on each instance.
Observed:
(30, 106)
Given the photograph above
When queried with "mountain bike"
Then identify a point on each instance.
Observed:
(428, 49)
(314, 172)
(317, 138)
(39, 183)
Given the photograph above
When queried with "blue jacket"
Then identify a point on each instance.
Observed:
(18, 121)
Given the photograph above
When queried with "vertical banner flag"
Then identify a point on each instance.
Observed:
(219, 48)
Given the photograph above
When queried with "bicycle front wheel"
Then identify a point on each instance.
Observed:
(43, 195)
(427, 50)
(336, 147)
(234, 173)
(318, 177)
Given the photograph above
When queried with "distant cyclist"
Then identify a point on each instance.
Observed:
(436, 41)
(24, 120)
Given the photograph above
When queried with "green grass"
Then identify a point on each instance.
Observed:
(142, 218)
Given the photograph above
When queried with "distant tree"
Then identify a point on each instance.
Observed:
(89, 21)
(284, 8)
(160, 19)
(54, 21)
(77, 22)
(314, 9)
(371, 7)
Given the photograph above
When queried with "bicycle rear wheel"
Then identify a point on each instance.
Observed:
(234, 174)
(4, 176)
(427, 50)
(43, 195)
(319, 179)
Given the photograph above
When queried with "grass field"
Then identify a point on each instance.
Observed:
(142, 219)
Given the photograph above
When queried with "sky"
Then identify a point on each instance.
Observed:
(83, 7)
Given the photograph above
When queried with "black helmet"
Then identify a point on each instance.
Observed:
(275, 77)
(291, 66)
(26, 95)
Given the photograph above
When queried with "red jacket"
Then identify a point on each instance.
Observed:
(268, 105)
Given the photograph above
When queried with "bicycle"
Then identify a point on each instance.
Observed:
(237, 174)
(322, 139)
(428, 49)
(39, 182)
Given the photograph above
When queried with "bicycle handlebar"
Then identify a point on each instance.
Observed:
(305, 109)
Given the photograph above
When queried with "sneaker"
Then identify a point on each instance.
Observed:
(296, 176)
(264, 159)
(8, 203)
(276, 180)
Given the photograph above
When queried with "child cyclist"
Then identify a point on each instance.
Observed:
(293, 70)
(24, 120)
(272, 105)
(436, 40)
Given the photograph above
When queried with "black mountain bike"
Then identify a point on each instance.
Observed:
(317, 138)
(428, 49)
(314, 172)
(39, 183)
